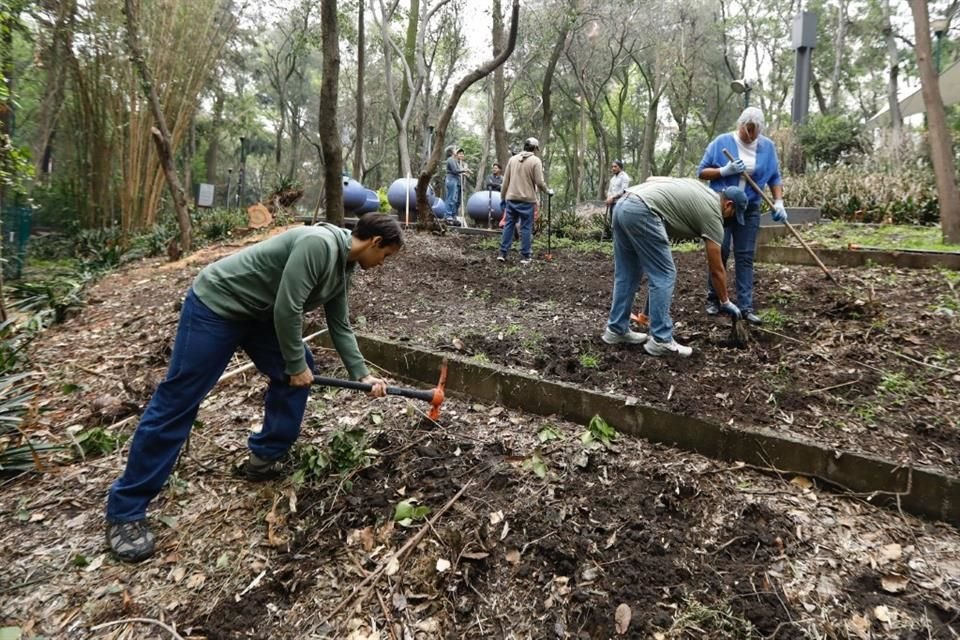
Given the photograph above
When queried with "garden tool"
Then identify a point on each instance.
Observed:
(434, 396)
(740, 333)
(549, 255)
(789, 226)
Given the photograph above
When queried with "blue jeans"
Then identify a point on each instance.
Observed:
(744, 240)
(522, 211)
(453, 195)
(641, 246)
(204, 345)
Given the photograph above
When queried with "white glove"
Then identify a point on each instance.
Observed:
(779, 213)
(732, 168)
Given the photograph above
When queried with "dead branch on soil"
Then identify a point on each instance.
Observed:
(173, 632)
(371, 580)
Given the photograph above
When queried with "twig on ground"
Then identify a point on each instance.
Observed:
(371, 580)
(173, 632)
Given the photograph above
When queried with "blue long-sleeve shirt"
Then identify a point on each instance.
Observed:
(766, 173)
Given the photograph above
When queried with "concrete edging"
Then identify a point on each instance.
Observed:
(921, 491)
(858, 258)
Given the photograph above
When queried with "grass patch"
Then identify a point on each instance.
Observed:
(887, 237)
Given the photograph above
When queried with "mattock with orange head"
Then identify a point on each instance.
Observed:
(434, 396)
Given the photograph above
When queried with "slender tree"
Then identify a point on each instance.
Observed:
(426, 171)
(941, 147)
(160, 132)
(327, 116)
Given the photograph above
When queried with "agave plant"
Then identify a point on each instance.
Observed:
(17, 452)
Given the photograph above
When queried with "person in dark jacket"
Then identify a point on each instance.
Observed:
(255, 300)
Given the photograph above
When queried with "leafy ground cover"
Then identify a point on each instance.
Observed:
(493, 523)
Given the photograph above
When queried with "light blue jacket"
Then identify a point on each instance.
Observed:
(766, 173)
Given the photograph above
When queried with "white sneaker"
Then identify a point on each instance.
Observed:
(630, 337)
(501, 259)
(658, 349)
(525, 261)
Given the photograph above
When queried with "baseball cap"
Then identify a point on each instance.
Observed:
(739, 200)
(531, 143)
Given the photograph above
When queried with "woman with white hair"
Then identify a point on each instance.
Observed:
(756, 155)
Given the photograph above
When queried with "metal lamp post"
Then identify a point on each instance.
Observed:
(939, 27)
(743, 86)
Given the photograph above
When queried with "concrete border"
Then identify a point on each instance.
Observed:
(922, 491)
(859, 257)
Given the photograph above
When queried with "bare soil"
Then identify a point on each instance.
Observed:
(549, 537)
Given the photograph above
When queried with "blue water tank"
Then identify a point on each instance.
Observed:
(484, 203)
(354, 194)
(439, 208)
(371, 204)
(404, 190)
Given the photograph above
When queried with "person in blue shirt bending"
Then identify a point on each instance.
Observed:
(756, 155)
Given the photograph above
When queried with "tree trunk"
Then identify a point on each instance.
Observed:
(160, 133)
(426, 171)
(328, 129)
(212, 158)
(361, 68)
(896, 119)
(941, 151)
(55, 59)
(839, 50)
(546, 93)
(501, 148)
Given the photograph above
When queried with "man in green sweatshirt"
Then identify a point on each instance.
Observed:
(255, 300)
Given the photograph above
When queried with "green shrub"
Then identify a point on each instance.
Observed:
(857, 195)
(829, 139)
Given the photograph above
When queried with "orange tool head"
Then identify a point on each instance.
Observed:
(438, 395)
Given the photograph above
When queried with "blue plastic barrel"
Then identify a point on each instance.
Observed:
(404, 190)
(354, 195)
(484, 203)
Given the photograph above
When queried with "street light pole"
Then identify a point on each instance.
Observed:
(939, 27)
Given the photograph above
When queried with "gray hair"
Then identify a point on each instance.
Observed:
(751, 114)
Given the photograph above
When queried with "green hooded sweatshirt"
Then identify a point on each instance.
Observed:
(281, 278)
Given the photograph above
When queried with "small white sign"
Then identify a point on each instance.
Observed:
(205, 195)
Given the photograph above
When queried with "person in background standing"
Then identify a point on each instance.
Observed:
(454, 182)
(619, 181)
(521, 180)
(753, 154)
(495, 179)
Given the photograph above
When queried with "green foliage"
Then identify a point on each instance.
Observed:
(17, 453)
(830, 139)
(598, 433)
(348, 450)
(896, 383)
(536, 464)
(548, 433)
(311, 463)
(773, 319)
(50, 301)
(589, 360)
(407, 512)
(98, 442)
(858, 195)
(213, 225)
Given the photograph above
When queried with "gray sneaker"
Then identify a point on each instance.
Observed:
(501, 258)
(712, 308)
(131, 541)
(630, 337)
(256, 469)
(525, 261)
(672, 348)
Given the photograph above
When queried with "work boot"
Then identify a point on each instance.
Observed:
(256, 469)
(672, 348)
(130, 541)
(630, 337)
(752, 318)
